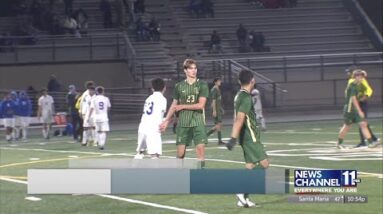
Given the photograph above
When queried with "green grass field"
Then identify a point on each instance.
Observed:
(289, 145)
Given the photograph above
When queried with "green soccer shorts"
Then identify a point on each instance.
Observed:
(187, 135)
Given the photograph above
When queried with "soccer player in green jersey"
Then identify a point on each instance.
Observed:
(189, 101)
(216, 106)
(352, 113)
(247, 131)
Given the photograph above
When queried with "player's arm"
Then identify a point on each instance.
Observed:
(369, 90)
(237, 125)
(355, 102)
(39, 110)
(169, 116)
(214, 107)
(197, 106)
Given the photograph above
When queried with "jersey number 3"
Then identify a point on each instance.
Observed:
(149, 108)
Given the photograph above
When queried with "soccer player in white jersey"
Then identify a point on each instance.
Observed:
(99, 107)
(88, 124)
(45, 112)
(149, 135)
(257, 103)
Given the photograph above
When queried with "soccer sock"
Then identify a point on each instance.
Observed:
(44, 133)
(340, 141)
(16, 133)
(47, 133)
(219, 136)
(8, 137)
(374, 138)
(94, 135)
(102, 138)
(84, 136)
(211, 131)
(369, 140)
(25, 133)
(203, 164)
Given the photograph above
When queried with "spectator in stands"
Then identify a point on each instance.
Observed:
(56, 28)
(215, 43)
(70, 24)
(71, 99)
(68, 7)
(242, 36)
(106, 9)
(120, 6)
(154, 29)
(195, 8)
(207, 8)
(257, 43)
(139, 6)
(141, 30)
(81, 18)
(53, 84)
(36, 10)
(291, 3)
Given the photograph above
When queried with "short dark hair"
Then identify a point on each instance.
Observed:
(42, 90)
(91, 88)
(158, 84)
(216, 79)
(89, 83)
(100, 90)
(245, 76)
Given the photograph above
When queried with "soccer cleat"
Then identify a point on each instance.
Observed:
(340, 146)
(374, 144)
(101, 148)
(251, 204)
(220, 143)
(360, 145)
(242, 202)
(139, 156)
(231, 143)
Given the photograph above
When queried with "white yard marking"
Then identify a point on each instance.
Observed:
(272, 152)
(316, 129)
(120, 199)
(32, 198)
(152, 204)
(72, 156)
(33, 159)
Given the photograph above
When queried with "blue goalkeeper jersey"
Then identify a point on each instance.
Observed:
(24, 107)
(8, 109)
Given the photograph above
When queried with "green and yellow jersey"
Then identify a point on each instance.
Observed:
(188, 94)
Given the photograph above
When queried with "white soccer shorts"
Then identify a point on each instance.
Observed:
(152, 140)
(102, 126)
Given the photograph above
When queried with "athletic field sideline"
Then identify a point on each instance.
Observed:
(291, 145)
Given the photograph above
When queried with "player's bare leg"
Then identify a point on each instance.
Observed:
(367, 134)
(342, 133)
(181, 149)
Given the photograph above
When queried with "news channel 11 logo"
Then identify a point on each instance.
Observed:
(326, 178)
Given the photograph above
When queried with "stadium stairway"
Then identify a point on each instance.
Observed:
(313, 27)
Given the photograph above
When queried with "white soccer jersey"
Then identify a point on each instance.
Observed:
(46, 104)
(85, 103)
(256, 96)
(153, 113)
(100, 105)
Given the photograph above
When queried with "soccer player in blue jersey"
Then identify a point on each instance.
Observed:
(8, 112)
(24, 111)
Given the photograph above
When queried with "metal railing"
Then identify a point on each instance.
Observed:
(48, 49)
(130, 55)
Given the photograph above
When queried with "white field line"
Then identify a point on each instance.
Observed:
(216, 160)
(152, 204)
(121, 199)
